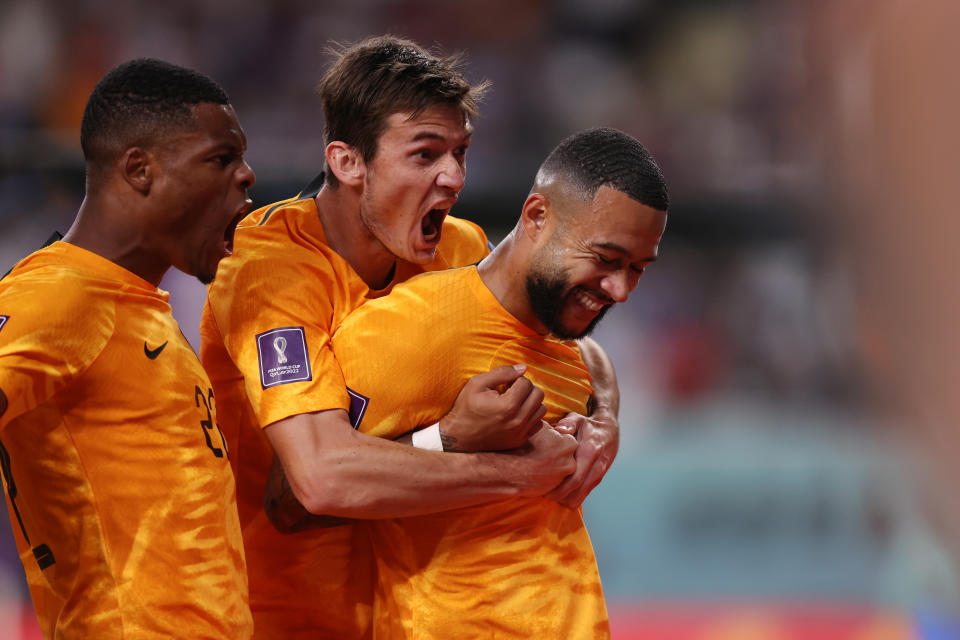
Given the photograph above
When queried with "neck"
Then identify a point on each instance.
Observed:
(504, 272)
(347, 235)
(116, 237)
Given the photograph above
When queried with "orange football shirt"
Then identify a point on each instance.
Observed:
(265, 342)
(117, 477)
(517, 568)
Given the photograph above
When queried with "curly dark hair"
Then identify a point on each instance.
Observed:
(138, 102)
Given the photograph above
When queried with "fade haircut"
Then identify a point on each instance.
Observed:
(139, 102)
(601, 157)
(380, 76)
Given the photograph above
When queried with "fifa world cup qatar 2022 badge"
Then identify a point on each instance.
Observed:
(283, 356)
(3, 321)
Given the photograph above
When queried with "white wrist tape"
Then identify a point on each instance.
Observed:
(428, 438)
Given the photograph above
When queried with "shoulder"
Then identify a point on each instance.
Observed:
(429, 291)
(462, 243)
(279, 224)
(414, 306)
(56, 308)
(45, 287)
(277, 246)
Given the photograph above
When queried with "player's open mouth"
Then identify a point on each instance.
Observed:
(232, 227)
(432, 225)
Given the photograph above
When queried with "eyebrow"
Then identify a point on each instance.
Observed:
(430, 135)
(613, 246)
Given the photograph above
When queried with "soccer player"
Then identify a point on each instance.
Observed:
(521, 567)
(398, 125)
(117, 477)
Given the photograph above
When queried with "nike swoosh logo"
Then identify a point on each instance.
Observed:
(153, 353)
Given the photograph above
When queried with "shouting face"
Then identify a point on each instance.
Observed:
(202, 188)
(414, 179)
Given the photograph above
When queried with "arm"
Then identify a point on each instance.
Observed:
(334, 470)
(598, 435)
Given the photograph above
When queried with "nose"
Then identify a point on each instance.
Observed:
(619, 285)
(452, 174)
(246, 176)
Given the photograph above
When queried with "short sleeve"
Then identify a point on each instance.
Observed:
(52, 328)
(274, 312)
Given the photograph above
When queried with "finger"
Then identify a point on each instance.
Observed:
(532, 406)
(564, 489)
(518, 392)
(500, 376)
(537, 422)
(570, 442)
(586, 461)
(576, 498)
(569, 423)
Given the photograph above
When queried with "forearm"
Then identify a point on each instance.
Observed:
(606, 393)
(336, 471)
(283, 509)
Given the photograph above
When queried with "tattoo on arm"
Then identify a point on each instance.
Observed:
(283, 509)
(449, 442)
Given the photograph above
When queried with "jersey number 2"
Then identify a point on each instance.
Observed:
(208, 424)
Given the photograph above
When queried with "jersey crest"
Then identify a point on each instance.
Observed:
(283, 356)
(3, 321)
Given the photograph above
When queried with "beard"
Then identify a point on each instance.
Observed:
(548, 293)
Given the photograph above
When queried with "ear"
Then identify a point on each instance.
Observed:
(535, 215)
(346, 163)
(137, 168)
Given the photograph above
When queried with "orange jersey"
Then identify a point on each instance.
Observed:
(265, 342)
(517, 568)
(117, 478)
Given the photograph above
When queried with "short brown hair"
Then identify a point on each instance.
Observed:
(380, 76)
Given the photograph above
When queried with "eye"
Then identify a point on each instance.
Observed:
(424, 154)
(225, 159)
(606, 261)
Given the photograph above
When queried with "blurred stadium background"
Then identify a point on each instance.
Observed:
(771, 483)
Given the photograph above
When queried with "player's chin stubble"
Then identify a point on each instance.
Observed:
(548, 296)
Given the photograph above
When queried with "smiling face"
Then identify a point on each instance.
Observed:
(591, 259)
(413, 179)
(201, 189)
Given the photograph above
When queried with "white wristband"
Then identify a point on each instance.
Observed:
(428, 438)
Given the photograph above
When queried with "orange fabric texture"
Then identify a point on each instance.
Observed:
(283, 276)
(518, 568)
(117, 478)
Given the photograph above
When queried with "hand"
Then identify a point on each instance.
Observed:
(485, 419)
(599, 438)
(550, 455)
